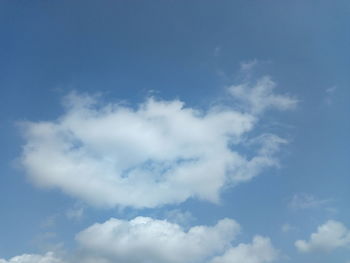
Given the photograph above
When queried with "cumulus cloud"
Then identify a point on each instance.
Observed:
(259, 97)
(144, 239)
(329, 236)
(157, 153)
(259, 251)
(34, 258)
(148, 240)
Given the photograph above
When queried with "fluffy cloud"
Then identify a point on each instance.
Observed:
(329, 236)
(259, 251)
(145, 239)
(33, 258)
(158, 153)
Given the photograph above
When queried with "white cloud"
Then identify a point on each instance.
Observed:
(144, 239)
(34, 258)
(259, 251)
(260, 97)
(158, 153)
(329, 236)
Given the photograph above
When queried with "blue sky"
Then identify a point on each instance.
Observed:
(174, 131)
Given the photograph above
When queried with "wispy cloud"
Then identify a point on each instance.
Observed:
(217, 51)
(183, 218)
(330, 95)
(75, 213)
(247, 66)
(259, 96)
(302, 201)
(50, 221)
(287, 228)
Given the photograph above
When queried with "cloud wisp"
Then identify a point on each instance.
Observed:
(302, 201)
(260, 97)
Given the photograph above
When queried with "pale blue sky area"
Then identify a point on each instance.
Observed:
(202, 53)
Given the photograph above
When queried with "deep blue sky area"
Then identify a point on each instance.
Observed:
(193, 51)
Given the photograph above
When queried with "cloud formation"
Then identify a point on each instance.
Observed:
(330, 92)
(34, 258)
(287, 228)
(144, 239)
(157, 153)
(303, 201)
(260, 97)
(259, 251)
(329, 236)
